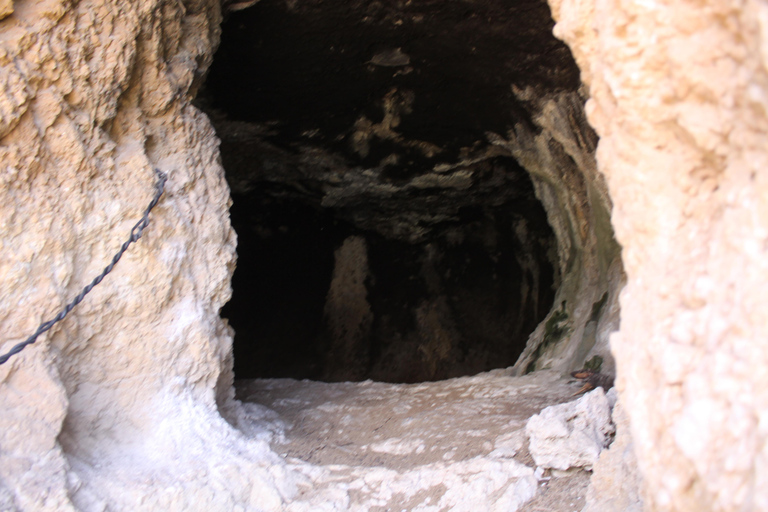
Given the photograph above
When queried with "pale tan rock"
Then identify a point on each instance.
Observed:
(679, 95)
(118, 404)
(6, 8)
(572, 434)
(616, 481)
(93, 96)
(446, 445)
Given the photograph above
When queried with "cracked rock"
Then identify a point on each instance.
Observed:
(571, 434)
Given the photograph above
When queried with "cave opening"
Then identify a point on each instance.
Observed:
(382, 234)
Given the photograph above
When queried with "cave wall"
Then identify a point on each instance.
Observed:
(93, 96)
(559, 155)
(678, 98)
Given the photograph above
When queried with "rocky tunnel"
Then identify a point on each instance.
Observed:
(385, 162)
(406, 209)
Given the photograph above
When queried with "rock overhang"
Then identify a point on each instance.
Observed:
(412, 120)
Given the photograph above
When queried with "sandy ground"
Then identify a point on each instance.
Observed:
(451, 445)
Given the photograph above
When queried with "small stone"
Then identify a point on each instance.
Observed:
(391, 58)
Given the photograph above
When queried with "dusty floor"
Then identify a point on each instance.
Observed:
(451, 445)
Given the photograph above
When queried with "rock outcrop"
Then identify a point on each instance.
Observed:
(616, 483)
(571, 435)
(124, 402)
(679, 98)
(93, 97)
(559, 155)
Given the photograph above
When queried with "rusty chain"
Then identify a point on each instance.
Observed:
(136, 233)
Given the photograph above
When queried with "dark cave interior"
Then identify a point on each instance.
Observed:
(381, 234)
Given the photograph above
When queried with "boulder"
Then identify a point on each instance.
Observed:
(572, 434)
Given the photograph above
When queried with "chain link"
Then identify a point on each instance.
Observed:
(136, 233)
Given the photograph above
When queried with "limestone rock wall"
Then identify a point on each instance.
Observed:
(616, 482)
(559, 153)
(679, 98)
(93, 96)
(120, 403)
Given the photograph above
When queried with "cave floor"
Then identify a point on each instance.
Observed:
(457, 444)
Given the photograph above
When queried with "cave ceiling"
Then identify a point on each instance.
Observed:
(384, 112)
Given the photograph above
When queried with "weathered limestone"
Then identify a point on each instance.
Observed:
(571, 435)
(616, 482)
(456, 444)
(679, 98)
(93, 96)
(559, 155)
(6, 8)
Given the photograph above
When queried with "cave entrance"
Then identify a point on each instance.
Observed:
(381, 233)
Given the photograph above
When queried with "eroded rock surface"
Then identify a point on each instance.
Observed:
(679, 95)
(121, 404)
(616, 483)
(93, 96)
(117, 406)
(571, 435)
(458, 444)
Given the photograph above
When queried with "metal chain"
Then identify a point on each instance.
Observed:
(136, 233)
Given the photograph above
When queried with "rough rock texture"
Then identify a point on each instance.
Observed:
(93, 95)
(616, 482)
(559, 155)
(454, 445)
(6, 8)
(571, 435)
(117, 407)
(679, 97)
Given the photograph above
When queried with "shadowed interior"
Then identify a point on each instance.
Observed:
(381, 234)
